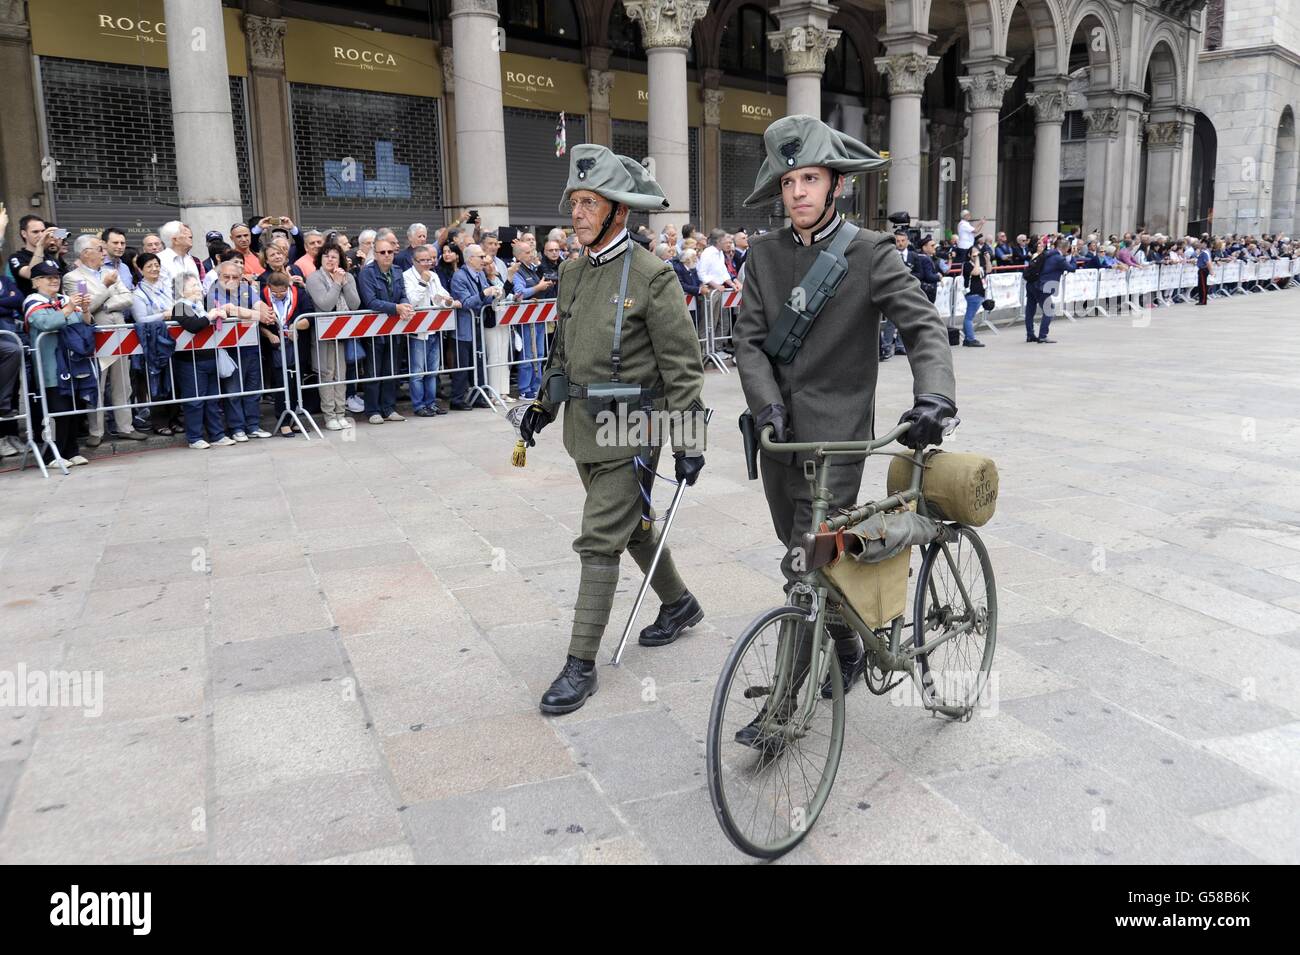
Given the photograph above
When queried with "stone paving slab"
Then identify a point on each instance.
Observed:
(331, 651)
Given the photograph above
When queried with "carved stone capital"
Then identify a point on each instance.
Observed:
(712, 106)
(1164, 135)
(1103, 122)
(599, 83)
(265, 37)
(666, 23)
(986, 90)
(803, 48)
(906, 72)
(1049, 107)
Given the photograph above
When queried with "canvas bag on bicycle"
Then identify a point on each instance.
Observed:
(872, 559)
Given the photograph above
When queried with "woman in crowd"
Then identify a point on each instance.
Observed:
(684, 266)
(450, 259)
(45, 310)
(152, 301)
(333, 289)
(972, 277)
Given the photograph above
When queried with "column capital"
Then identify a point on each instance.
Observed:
(712, 100)
(478, 8)
(665, 23)
(906, 72)
(986, 89)
(265, 37)
(1049, 106)
(13, 20)
(803, 48)
(1103, 122)
(599, 83)
(1165, 135)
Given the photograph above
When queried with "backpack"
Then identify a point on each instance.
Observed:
(1034, 270)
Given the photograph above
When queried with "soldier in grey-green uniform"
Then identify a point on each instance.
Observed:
(827, 391)
(622, 323)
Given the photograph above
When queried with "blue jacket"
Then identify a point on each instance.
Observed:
(11, 306)
(926, 272)
(467, 288)
(1003, 254)
(375, 294)
(1054, 266)
(688, 278)
(1092, 261)
(76, 359)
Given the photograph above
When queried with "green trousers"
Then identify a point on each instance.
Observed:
(611, 524)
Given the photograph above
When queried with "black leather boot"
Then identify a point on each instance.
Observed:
(851, 664)
(576, 682)
(750, 735)
(681, 614)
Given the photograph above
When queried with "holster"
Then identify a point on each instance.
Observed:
(557, 388)
(610, 395)
(749, 435)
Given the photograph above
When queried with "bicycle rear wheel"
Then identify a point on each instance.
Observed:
(767, 792)
(954, 674)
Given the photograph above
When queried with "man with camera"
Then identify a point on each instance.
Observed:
(624, 353)
(40, 243)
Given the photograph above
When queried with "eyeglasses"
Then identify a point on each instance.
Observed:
(383, 251)
(587, 203)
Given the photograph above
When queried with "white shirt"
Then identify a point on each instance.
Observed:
(712, 268)
(174, 265)
(965, 234)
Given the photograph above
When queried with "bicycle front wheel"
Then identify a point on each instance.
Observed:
(955, 594)
(771, 769)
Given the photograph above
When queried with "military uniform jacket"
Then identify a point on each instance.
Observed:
(829, 389)
(659, 347)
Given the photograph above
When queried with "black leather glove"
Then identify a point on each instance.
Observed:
(533, 421)
(688, 467)
(928, 414)
(774, 415)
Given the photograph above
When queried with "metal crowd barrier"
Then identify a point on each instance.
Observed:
(720, 307)
(529, 318)
(24, 410)
(123, 340)
(377, 334)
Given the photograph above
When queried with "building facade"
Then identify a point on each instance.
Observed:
(1032, 113)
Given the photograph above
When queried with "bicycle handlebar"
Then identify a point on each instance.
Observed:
(831, 447)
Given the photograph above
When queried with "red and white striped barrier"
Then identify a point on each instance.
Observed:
(728, 298)
(116, 342)
(526, 313)
(371, 325)
(690, 303)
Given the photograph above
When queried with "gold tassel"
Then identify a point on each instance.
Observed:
(519, 458)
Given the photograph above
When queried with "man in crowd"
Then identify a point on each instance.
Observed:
(424, 291)
(891, 343)
(1056, 263)
(281, 225)
(417, 234)
(713, 264)
(382, 290)
(966, 235)
(216, 244)
(470, 286)
(110, 304)
(552, 256)
(114, 250)
(35, 234)
(241, 237)
(1003, 254)
(177, 263)
(313, 239)
(1204, 269)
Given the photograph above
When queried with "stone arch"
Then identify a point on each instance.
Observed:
(1047, 23)
(1285, 161)
(1105, 67)
(1163, 64)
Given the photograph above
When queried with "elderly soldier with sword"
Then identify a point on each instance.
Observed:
(807, 335)
(624, 354)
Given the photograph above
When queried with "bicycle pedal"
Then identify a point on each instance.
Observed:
(754, 692)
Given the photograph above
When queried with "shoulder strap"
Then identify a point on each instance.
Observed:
(616, 353)
(810, 296)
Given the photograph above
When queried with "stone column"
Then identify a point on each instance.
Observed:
(666, 34)
(1113, 162)
(207, 176)
(1166, 174)
(272, 134)
(803, 41)
(20, 142)
(480, 121)
(710, 212)
(1103, 127)
(985, 89)
(906, 73)
(1048, 101)
(600, 80)
(451, 175)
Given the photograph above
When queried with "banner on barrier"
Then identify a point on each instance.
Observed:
(1170, 277)
(1248, 271)
(1143, 280)
(526, 313)
(1004, 289)
(1281, 268)
(1080, 285)
(943, 298)
(115, 342)
(1231, 273)
(1112, 284)
(1190, 275)
(372, 325)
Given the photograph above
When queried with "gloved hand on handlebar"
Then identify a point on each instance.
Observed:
(774, 415)
(928, 415)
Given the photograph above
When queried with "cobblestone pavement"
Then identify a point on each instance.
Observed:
(333, 651)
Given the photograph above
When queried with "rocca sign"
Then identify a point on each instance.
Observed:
(364, 57)
(127, 25)
(537, 80)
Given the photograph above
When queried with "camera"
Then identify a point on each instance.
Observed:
(473, 217)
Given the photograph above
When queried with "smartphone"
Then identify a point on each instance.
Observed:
(473, 216)
(60, 234)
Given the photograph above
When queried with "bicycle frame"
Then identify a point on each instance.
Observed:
(814, 588)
